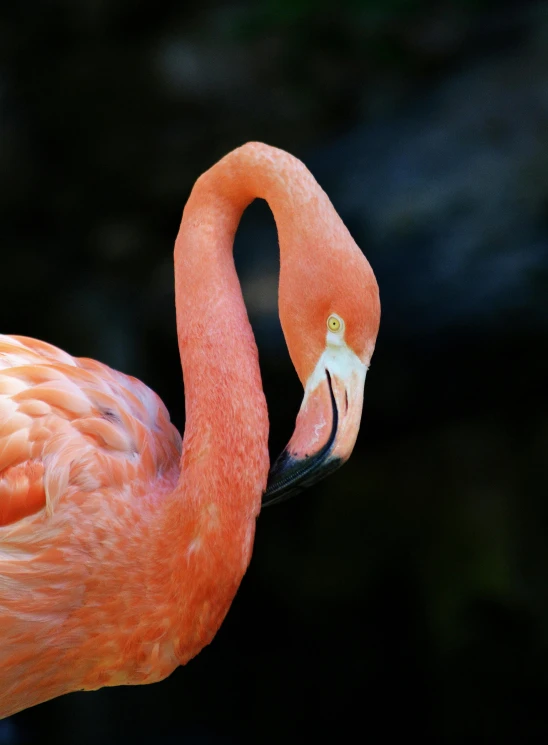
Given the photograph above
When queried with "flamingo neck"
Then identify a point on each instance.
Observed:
(224, 463)
(225, 455)
(226, 433)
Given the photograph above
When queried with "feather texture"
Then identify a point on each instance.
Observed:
(71, 426)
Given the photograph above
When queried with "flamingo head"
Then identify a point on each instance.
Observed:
(330, 312)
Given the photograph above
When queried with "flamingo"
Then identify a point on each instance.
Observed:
(121, 545)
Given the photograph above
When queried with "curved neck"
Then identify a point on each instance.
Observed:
(226, 431)
(226, 419)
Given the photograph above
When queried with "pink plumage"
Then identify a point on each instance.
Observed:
(121, 548)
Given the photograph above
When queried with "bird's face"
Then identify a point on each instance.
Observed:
(330, 312)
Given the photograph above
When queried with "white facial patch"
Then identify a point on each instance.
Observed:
(340, 360)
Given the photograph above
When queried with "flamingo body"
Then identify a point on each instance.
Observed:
(89, 461)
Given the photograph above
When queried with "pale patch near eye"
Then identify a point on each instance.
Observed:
(341, 362)
(335, 339)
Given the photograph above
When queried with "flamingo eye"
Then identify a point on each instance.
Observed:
(335, 323)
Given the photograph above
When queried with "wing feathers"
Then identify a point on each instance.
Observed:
(21, 491)
(14, 448)
(71, 425)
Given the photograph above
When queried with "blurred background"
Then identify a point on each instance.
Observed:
(406, 596)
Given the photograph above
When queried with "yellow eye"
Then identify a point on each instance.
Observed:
(334, 323)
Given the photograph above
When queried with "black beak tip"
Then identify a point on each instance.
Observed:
(290, 476)
(280, 484)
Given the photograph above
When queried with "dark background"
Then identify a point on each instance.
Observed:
(406, 596)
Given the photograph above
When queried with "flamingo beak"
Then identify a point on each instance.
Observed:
(326, 428)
